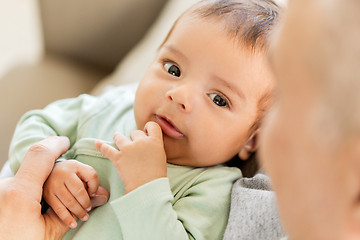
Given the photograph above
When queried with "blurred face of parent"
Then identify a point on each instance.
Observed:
(310, 144)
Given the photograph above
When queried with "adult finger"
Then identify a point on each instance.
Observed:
(101, 197)
(153, 129)
(40, 158)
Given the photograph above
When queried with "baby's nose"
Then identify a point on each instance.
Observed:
(182, 97)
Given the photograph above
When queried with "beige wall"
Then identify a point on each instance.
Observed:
(20, 33)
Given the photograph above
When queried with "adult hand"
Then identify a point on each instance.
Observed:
(20, 196)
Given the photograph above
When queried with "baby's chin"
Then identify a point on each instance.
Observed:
(186, 162)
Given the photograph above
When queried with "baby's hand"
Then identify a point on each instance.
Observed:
(141, 159)
(68, 189)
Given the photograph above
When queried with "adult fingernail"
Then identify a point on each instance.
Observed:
(98, 200)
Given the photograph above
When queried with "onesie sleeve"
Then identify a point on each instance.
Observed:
(150, 212)
(60, 118)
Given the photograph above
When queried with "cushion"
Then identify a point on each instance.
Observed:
(99, 33)
(133, 66)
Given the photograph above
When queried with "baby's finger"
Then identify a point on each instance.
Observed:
(120, 140)
(62, 212)
(107, 150)
(82, 203)
(137, 134)
(153, 129)
(70, 202)
(89, 176)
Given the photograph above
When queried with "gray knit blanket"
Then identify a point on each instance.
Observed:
(253, 211)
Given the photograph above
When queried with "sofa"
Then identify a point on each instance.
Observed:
(86, 46)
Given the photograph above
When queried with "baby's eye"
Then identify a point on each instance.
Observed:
(219, 100)
(172, 69)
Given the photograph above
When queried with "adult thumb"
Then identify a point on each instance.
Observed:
(40, 158)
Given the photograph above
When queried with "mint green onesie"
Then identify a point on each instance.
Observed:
(191, 203)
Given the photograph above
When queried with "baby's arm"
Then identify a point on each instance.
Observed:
(61, 118)
(198, 210)
(68, 189)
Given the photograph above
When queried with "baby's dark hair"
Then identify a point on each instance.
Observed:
(251, 22)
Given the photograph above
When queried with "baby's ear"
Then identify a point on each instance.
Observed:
(250, 146)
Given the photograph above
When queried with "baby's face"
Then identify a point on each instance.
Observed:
(202, 89)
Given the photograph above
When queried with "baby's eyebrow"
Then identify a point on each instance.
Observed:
(174, 50)
(230, 86)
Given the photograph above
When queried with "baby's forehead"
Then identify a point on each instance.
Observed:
(253, 44)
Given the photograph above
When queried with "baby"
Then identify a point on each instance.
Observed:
(199, 104)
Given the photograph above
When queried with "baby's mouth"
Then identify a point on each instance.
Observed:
(168, 127)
